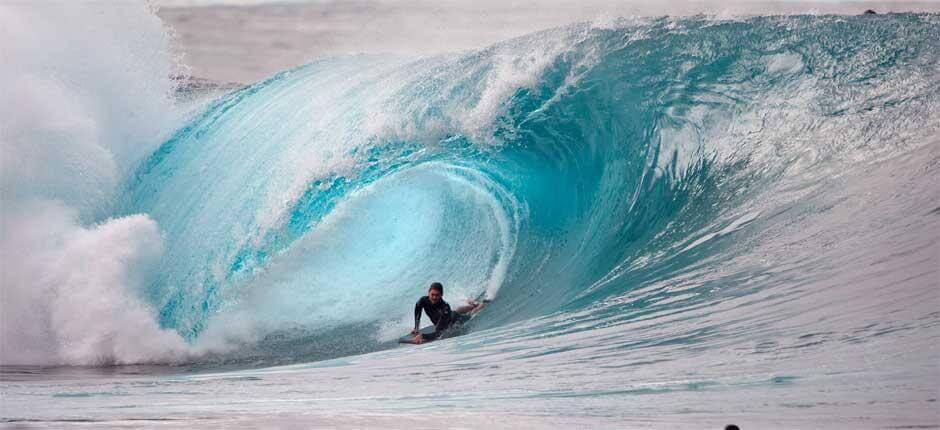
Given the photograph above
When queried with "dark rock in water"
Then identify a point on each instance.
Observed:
(870, 12)
(190, 87)
(732, 427)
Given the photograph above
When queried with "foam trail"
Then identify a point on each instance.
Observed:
(86, 95)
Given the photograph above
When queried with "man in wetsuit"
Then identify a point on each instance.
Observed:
(439, 311)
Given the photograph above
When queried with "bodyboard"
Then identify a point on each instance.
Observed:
(408, 337)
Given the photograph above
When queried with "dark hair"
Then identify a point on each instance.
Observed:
(732, 427)
(437, 286)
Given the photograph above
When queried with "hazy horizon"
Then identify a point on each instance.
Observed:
(249, 42)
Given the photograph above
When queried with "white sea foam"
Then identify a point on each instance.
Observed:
(85, 93)
(70, 293)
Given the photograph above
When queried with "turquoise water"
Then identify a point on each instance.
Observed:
(680, 222)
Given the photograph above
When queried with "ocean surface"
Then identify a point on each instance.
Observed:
(682, 222)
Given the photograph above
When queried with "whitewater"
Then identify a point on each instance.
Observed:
(682, 222)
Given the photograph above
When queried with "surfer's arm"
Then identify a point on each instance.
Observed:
(417, 315)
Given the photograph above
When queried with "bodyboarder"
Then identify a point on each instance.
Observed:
(440, 313)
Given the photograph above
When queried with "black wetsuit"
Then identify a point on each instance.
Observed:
(440, 315)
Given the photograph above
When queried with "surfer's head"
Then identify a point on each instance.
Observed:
(435, 292)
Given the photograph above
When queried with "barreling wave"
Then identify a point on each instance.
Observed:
(592, 171)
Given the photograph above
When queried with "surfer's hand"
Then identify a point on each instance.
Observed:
(417, 340)
(472, 302)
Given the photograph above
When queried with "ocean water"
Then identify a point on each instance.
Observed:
(681, 223)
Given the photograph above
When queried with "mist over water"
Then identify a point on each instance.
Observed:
(738, 215)
(248, 41)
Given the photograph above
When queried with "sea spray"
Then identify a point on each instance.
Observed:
(86, 96)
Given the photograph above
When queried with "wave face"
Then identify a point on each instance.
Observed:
(728, 179)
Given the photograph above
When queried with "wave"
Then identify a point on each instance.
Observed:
(597, 172)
